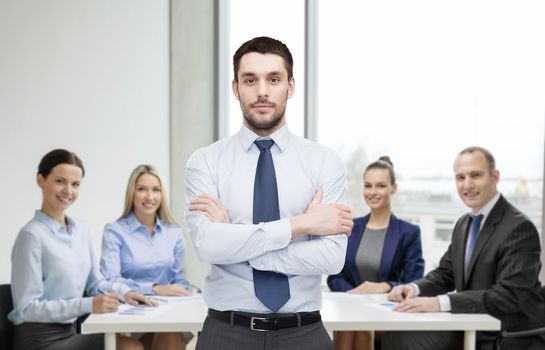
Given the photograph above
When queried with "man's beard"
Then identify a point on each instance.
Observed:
(259, 124)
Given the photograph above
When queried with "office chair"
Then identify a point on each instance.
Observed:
(6, 327)
(530, 332)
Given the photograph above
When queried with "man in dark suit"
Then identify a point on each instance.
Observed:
(492, 266)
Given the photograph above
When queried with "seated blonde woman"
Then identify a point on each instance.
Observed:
(144, 249)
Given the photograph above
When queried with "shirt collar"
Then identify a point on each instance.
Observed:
(135, 225)
(280, 137)
(487, 208)
(54, 225)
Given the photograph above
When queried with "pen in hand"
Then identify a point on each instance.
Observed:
(117, 296)
(106, 302)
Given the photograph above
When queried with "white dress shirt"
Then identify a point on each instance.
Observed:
(226, 169)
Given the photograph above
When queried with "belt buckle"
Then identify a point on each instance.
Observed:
(252, 324)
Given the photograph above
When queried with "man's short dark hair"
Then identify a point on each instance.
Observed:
(264, 45)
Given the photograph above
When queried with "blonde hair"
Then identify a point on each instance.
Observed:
(163, 212)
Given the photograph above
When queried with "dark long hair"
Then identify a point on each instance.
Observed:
(56, 157)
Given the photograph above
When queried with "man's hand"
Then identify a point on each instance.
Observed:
(419, 304)
(322, 219)
(370, 287)
(401, 292)
(170, 290)
(210, 207)
(134, 298)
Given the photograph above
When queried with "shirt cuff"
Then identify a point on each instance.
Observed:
(87, 305)
(416, 289)
(145, 288)
(277, 234)
(120, 288)
(444, 303)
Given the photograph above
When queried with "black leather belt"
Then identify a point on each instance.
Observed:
(263, 322)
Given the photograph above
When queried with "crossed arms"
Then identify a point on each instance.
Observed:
(310, 243)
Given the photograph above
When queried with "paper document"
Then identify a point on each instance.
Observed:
(140, 310)
(165, 299)
(385, 306)
(367, 298)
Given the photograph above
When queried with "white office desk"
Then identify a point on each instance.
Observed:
(340, 311)
(343, 312)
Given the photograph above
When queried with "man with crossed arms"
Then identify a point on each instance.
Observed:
(270, 238)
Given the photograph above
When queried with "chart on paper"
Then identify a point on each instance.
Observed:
(126, 310)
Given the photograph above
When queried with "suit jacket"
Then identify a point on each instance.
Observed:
(502, 278)
(401, 259)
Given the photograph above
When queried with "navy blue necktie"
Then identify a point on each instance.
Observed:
(472, 238)
(271, 288)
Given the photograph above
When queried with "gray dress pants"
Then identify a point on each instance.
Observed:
(220, 335)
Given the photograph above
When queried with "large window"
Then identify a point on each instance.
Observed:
(419, 81)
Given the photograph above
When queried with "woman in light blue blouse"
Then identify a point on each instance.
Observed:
(53, 264)
(144, 249)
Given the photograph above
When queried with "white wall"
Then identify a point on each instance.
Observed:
(89, 76)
